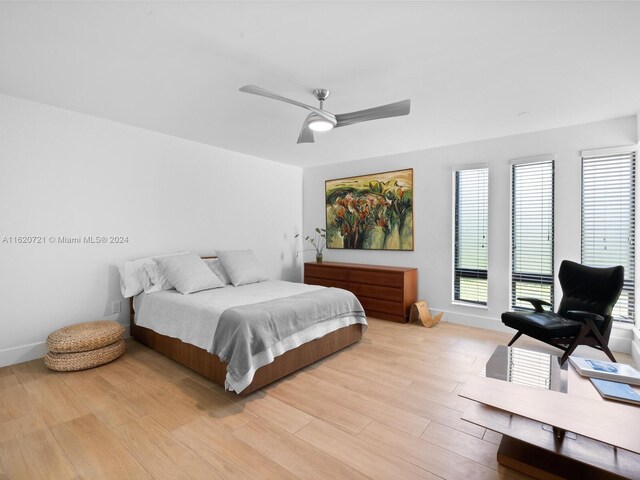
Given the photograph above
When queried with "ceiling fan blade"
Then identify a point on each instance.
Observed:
(255, 90)
(306, 134)
(396, 109)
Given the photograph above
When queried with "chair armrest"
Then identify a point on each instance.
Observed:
(581, 315)
(536, 302)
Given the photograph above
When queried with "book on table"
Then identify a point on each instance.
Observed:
(616, 391)
(616, 372)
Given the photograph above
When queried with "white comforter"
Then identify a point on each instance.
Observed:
(194, 318)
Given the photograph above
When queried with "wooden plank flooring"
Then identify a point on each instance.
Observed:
(385, 408)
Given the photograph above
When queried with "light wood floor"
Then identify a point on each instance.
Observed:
(386, 408)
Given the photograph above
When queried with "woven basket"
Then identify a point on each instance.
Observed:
(69, 362)
(82, 337)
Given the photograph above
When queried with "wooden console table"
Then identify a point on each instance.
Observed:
(384, 292)
(552, 435)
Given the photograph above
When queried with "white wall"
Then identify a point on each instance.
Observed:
(63, 173)
(433, 208)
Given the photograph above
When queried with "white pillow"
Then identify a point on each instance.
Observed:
(216, 267)
(159, 282)
(134, 278)
(242, 266)
(188, 273)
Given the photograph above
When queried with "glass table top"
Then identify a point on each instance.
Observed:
(526, 367)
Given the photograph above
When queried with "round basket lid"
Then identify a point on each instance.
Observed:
(85, 336)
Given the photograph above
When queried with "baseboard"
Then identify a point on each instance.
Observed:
(469, 320)
(620, 340)
(32, 351)
(23, 353)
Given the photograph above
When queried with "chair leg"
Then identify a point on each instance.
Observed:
(515, 337)
(605, 349)
(588, 327)
(576, 341)
(596, 333)
(603, 343)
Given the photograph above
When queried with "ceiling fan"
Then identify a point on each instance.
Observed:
(320, 120)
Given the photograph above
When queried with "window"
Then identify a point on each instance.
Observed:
(471, 235)
(532, 231)
(609, 217)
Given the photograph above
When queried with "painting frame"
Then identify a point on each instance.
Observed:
(371, 211)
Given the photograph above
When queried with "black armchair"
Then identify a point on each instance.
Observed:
(584, 316)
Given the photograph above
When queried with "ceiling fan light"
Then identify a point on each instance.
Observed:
(320, 124)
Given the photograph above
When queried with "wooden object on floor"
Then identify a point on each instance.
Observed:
(543, 464)
(384, 292)
(420, 311)
(575, 431)
(533, 448)
(603, 420)
(210, 366)
(84, 345)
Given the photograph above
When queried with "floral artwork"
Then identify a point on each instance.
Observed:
(371, 212)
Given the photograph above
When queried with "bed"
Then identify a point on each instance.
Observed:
(183, 327)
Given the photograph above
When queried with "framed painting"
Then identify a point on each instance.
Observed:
(370, 212)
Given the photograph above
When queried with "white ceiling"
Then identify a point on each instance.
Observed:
(469, 68)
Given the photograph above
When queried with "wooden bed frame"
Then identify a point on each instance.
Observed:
(210, 366)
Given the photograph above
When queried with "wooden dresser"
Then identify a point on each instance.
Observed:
(385, 292)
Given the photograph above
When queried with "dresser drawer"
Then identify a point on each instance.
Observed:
(326, 282)
(376, 291)
(371, 277)
(318, 271)
(386, 306)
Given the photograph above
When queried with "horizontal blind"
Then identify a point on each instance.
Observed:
(608, 220)
(471, 235)
(532, 232)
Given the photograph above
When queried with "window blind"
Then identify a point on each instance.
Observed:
(471, 235)
(532, 199)
(608, 219)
